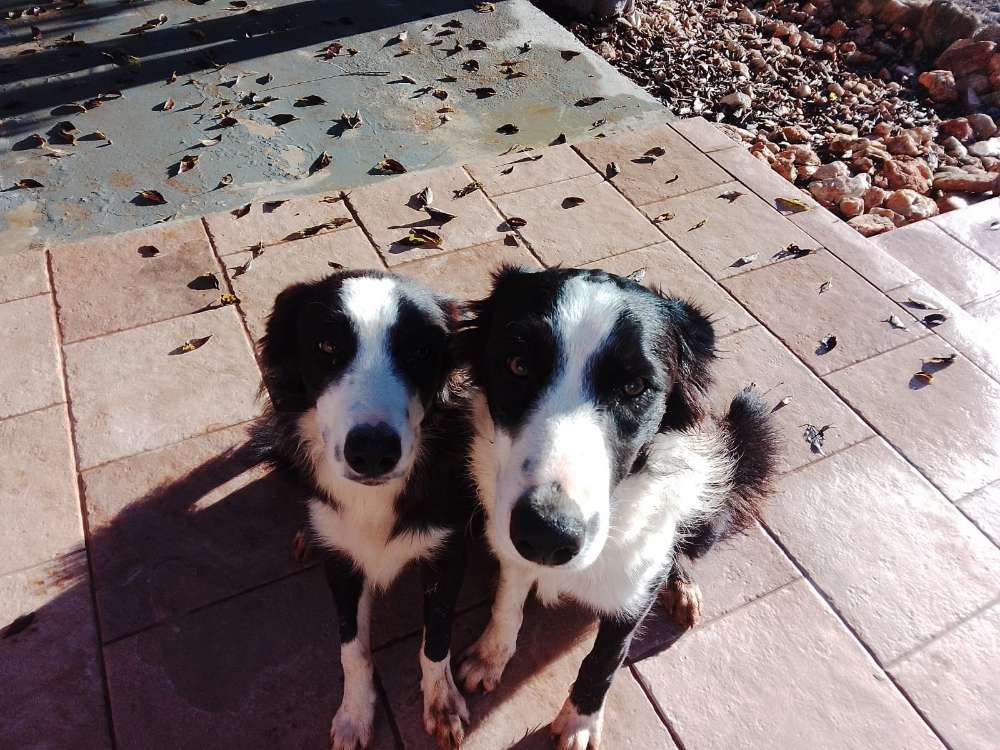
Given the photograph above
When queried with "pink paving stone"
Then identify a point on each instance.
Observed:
(261, 670)
(940, 428)
(785, 297)
(732, 574)
(782, 672)
(181, 527)
(976, 227)
(269, 224)
(38, 493)
(876, 265)
(467, 274)
(51, 672)
(130, 394)
(669, 269)
(30, 374)
(898, 561)
(23, 275)
(717, 231)
(971, 335)
(703, 135)
(955, 682)
(760, 178)
(106, 285)
(983, 508)
(550, 648)
(528, 169)
(642, 180)
(606, 224)
(755, 356)
(388, 211)
(944, 261)
(282, 265)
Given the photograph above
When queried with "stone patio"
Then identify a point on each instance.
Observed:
(155, 558)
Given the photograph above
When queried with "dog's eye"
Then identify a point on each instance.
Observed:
(517, 366)
(326, 347)
(635, 387)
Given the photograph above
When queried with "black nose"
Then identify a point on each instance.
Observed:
(546, 527)
(372, 450)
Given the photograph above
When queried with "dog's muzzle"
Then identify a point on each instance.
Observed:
(546, 527)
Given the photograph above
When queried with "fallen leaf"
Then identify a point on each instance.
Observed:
(825, 286)
(506, 170)
(923, 378)
(665, 216)
(167, 105)
(314, 230)
(793, 251)
(442, 217)
(920, 304)
(190, 345)
(282, 119)
(335, 266)
(35, 140)
(242, 211)
(226, 181)
(941, 361)
(439, 94)
(558, 140)
(526, 47)
(816, 436)
(471, 65)
(637, 275)
(611, 170)
(654, 153)
(477, 44)
(508, 129)
(511, 240)
(148, 251)
(588, 101)
(228, 121)
(390, 165)
(934, 319)
(672, 179)
(791, 205)
(265, 79)
(152, 196)
(271, 206)
(994, 225)
(699, 225)
(516, 222)
(453, 24)
(18, 625)
(572, 201)
(400, 37)
(205, 143)
(568, 54)
(464, 191)
(784, 402)
(732, 195)
(424, 197)
(228, 299)
(351, 122)
(406, 79)
(27, 183)
(59, 153)
(322, 162)
(422, 237)
(895, 322)
(484, 7)
(309, 101)
(827, 343)
(483, 92)
(186, 164)
(746, 260)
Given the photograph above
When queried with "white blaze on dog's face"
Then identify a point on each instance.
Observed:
(580, 370)
(370, 348)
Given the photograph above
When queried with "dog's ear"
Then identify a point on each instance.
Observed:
(475, 321)
(692, 350)
(278, 349)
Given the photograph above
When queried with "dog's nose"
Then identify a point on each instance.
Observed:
(546, 527)
(372, 450)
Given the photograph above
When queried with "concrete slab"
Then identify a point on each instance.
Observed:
(221, 54)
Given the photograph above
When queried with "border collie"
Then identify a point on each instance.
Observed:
(594, 465)
(357, 368)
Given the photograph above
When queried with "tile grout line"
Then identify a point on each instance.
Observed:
(657, 709)
(27, 296)
(853, 633)
(353, 211)
(82, 505)
(37, 409)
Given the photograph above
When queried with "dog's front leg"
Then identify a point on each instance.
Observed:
(352, 725)
(484, 662)
(444, 707)
(578, 725)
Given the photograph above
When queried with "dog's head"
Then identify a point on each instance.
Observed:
(363, 355)
(579, 370)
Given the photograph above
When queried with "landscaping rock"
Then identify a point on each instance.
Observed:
(967, 182)
(983, 125)
(871, 224)
(965, 57)
(990, 147)
(911, 205)
(907, 173)
(831, 192)
(943, 22)
(940, 85)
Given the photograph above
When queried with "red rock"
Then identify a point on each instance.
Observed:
(900, 12)
(889, 214)
(983, 125)
(911, 205)
(795, 134)
(852, 206)
(965, 57)
(904, 145)
(799, 155)
(907, 173)
(871, 224)
(940, 85)
(958, 127)
(967, 182)
(837, 29)
(874, 197)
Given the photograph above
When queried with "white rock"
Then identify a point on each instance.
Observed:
(989, 147)
(737, 100)
(911, 205)
(871, 224)
(831, 171)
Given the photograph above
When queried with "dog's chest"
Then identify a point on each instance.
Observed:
(365, 535)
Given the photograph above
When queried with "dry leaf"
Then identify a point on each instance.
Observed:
(941, 361)
(827, 343)
(205, 143)
(35, 140)
(572, 201)
(190, 345)
(265, 79)
(699, 225)
(314, 230)
(471, 65)
(895, 322)
(282, 119)
(172, 78)
(637, 275)
(732, 195)
(665, 216)
(271, 206)
(508, 129)
(484, 7)
(483, 92)
(784, 402)
(187, 164)
(421, 237)
(516, 222)
(568, 54)
(204, 282)
(228, 299)
(152, 196)
(791, 205)
(920, 304)
(511, 240)
(390, 165)
(242, 211)
(167, 105)
(611, 170)
(825, 286)
(228, 121)
(934, 319)
(654, 153)
(816, 436)
(351, 122)
(453, 24)
(309, 101)
(746, 260)
(424, 197)
(27, 183)
(322, 162)
(464, 191)
(148, 251)
(923, 378)
(400, 37)
(226, 181)
(477, 45)
(558, 140)
(589, 100)
(994, 225)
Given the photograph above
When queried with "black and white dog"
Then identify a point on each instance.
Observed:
(593, 463)
(357, 368)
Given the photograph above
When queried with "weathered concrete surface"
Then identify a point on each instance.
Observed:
(221, 54)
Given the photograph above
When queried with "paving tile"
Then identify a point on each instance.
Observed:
(785, 297)
(987, 310)
(954, 681)
(50, 671)
(713, 230)
(388, 213)
(965, 331)
(269, 224)
(108, 285)
(972, 226)
(303, 260)
(550, 648)
(130, 394)
(755, 356)
(529, 169)
(940, 428)
(30, 376)
(467, 274)
(642, 181)
(261, 670)
(23, 275)
(759, 177)
(38, 493)
(734, 573)
(669, 269)
(780, 672)
(896, 559)
(181, 527)
(833, 233)
(948, 264)
(704, 135)
(605, 225)
(983, 508)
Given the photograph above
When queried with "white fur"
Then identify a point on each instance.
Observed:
(352, 725)
(444, 707)
(575, 731)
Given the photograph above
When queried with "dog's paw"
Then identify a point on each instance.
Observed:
(484, 662)
(445, 711)
(351, 728)
(682, 602)
(572, 730)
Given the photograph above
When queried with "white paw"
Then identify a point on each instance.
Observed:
(444, 707)
(484, 662)
(572, 730)
(351, 728)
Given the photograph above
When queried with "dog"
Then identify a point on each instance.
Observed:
(594, 463)
(357, 368)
